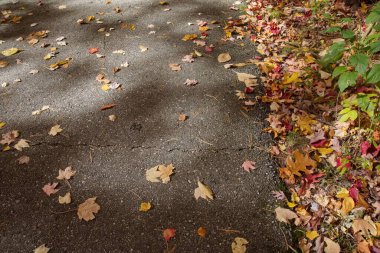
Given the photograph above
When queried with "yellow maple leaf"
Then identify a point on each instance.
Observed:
(188, 37)
(343, 193)
(291, 78)
(203, 28)
(347, 205)
(311, 235)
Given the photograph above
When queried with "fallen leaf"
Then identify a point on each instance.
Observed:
(201, 232)
(248, 79)
(33, 71)
(347, 205)
(125, 64)
(188, 58)
(22, 143)
(9, 137)
(93, 50)
(331, 246)
(224, 57)
(23, 159)
(191, 82)
(366, 228)
(41, 249)
(311, 235)
(10, 51)
(188, 37)
(160, 172)
(239, 245)
(284, 214)
(55, 130)
(143, 48)
(44, 108)
(145, 206)
(50, 188)
(107, 106)
(175, 67)
(3, 64)
(65, 199)
(249, 165)
(105, 87)
(87, 209)
(67, 173)
(168, 234)
(203, 191)
(182, 117)
(112, 117)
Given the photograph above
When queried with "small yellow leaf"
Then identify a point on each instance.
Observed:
(105, 87)
(291, 78)
(48, 57)
(347, 205)
(145, 206)
(90, 18)
(3, 64)
(188, 37)
(10, 51)
(343, 193)
(204, 28)
(201, 232)
(311, 235)
(65, 199)
(6, 148)
(325, 151)
(2, 124)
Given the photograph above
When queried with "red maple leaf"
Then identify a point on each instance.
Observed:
(168, 234)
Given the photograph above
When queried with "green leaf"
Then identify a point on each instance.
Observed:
(373, 17)
(347, 79)
(352, 114)
(334, 54)
(374, 47)
(338, 71)
(360, 62)
(348, 34)
(333, 29)
(374, 74)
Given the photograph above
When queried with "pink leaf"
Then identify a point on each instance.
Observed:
(364, 147)
(50, 188)
(248, 166)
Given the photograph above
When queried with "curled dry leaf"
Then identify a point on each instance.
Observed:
(224, 57)
(160, 172)
(182, 117)
(50, 188)
(145, 206)
(65, 199)
(67, 173)
(21, 144)
(41, 249)
(168, 234)
(87, 209)
(201, 232)
(239, 245)
(23, 159)
(284, 215)
(249, 165)
(175, 66)
(203, 191)
(191, 82)
(248, 79)
(107, 106)
(9, 137)
(10, 51)
(55, 130)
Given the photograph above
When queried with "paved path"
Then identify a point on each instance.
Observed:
(111, 157)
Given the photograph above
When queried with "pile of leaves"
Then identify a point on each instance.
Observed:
(321, 74)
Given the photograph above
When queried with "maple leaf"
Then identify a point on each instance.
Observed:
(203, 191)
(188, 37)
(66, 174)
(160, 172)
(175, 67)
(249, 165)
(240, 94)
(65, 199)
(50, 188)
(191, 82)
(143, 48)
(55, 130)
(248, 79)
(87, 209)
(41, 249)
(22, 143)
(284, 215)
(365, 227)
(168, 234)
(188, 58)
(9, 137)
(239, 245)
(300, 163)
(305, 122)
(224, 57)
(280, 195)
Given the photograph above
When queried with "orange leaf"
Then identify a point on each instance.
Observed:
(201, 232)
(168, 234)
(107, 106)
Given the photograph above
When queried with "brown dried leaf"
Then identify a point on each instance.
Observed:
(87, 209)
(67, 173)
